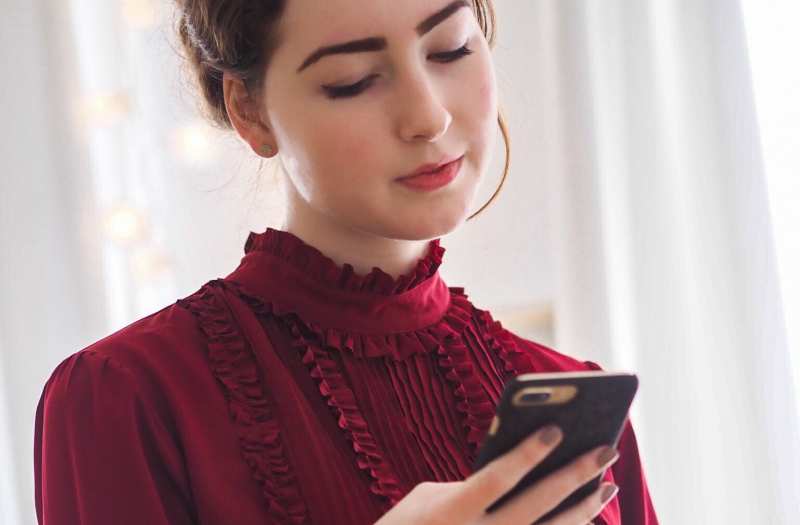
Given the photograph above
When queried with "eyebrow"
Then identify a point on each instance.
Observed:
(378, 43)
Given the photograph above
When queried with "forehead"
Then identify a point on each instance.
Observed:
(316, 22)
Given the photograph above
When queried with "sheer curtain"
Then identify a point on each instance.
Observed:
(772, 36)
(642, 124)
(9, 499)
(665, 247)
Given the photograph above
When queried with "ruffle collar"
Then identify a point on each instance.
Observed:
(308, 259)
(280, 268)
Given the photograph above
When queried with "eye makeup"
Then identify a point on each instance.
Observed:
(334, 92)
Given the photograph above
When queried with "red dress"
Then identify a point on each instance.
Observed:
(291, 391)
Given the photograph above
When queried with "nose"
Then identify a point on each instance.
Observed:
(422, 116)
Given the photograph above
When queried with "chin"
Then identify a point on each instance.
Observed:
(430, 227)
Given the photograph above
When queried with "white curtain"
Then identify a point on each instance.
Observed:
(665, 250)
(115, 201)
(43, 304)
(9, 499)
(772, 37)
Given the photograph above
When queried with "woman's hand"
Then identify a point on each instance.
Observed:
(464, 502)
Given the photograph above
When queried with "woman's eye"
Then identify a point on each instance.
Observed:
(349, 91)
(452, 56)
(354, 89)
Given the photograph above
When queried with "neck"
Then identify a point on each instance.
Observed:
(347, 244)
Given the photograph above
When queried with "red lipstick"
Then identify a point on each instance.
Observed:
(432, 176)
(431, 167)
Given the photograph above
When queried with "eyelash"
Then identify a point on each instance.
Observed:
(354, 89)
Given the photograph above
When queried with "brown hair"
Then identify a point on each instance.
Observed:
(240, 36)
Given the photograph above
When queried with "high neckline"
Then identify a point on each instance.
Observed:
(280, 267)
(307, 258)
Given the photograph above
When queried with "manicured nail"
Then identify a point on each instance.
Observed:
(606, 455)
(609, 491)
(550, 434)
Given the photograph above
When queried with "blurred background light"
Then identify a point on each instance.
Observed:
(195, 143)
(140, 14)
(124, 224)
(103, 109)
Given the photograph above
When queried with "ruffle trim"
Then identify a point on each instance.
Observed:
(444, 338)
(311, 261)
(501, 342)
(473, 403)
(340, 397)
(233, 364)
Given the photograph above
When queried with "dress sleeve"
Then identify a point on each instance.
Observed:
(102, 453)
(635, 503)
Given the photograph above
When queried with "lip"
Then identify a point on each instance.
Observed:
(432, 167)
(434, 180)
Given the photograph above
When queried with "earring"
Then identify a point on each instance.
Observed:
(266, 149)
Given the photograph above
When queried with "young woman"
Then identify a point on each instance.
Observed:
(333, 377)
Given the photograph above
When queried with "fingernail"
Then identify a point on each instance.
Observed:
(609, 492)
(550, 434)
(605, 456)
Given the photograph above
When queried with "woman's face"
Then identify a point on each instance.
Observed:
(419, 101)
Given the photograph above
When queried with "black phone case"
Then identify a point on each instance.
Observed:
(594, 416)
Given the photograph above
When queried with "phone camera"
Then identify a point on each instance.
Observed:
(535, 397)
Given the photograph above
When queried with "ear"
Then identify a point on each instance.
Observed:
(244, 114)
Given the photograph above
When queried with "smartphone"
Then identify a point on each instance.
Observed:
(590, 408)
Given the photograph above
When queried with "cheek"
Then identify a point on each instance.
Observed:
(478, 104)
(336, 146)
(483, 116)
(479, 115)
(350, 147)
(487, 95)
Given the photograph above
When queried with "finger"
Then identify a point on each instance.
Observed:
(588, 508)
(544, 495)
(488, 484)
